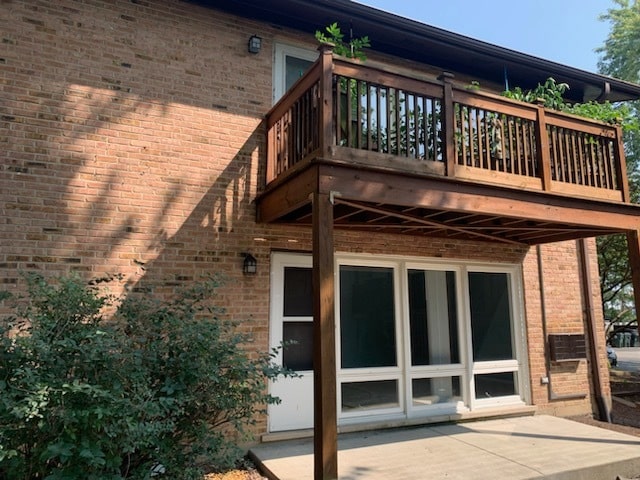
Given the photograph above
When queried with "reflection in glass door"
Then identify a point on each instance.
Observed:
(370, 376)
(435, 368)
(495, 363)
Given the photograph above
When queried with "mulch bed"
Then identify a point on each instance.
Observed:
(249, 474)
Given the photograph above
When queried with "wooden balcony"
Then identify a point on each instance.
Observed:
(353, 129)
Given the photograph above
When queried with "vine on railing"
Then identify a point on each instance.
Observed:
(579, 157)
(378, 111)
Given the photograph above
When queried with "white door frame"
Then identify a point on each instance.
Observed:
(297, 394)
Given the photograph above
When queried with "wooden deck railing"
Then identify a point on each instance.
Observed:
(374, 117)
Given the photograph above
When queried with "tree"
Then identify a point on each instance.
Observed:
(619, 58)
(619, 52)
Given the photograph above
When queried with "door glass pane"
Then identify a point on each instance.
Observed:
(369, 395)
(367, 317)
(298, 292)
(433, 317)
(429, 391)
(297, 353)
(495, 384)
(490, 316)
(295, 68)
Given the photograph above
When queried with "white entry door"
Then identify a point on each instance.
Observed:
(292, 327)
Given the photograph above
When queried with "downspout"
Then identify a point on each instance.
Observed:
(587, 295)
(552, 396)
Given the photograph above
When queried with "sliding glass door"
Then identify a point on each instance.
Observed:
(370, 376)
(419, 339)
(495, 362)
(414, 338)
(434, 366)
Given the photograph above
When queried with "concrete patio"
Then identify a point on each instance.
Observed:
(514, 448)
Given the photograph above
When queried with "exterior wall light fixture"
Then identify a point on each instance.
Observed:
(255, 44)
(250, 264)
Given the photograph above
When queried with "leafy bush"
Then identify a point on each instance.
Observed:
(551, 94)
(151, 390)
(353, 49)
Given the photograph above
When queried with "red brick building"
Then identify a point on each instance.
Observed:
(139, 137)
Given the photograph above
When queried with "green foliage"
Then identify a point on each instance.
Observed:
(550, 94)
(616, 284)
(614, 268)
(619, 58)
(474, 85)
(615, 273)
(352, 49)
(162, 385)
(620, 50)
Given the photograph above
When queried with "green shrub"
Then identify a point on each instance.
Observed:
(333, 35)
(157, 386)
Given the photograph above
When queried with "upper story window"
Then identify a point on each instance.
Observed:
(289, 65)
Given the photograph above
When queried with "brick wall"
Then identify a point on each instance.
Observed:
(564, 314)
(131, 142)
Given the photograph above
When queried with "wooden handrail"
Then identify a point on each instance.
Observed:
(303, 84)
(495, 103)
(574, 122)
(380, 77)
(466, 132)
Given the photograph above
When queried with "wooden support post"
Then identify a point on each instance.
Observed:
(326, 99)
(633, 244)
(271, 154)
(542, 148)
(621, 166)
(325, 434)
(448, 124)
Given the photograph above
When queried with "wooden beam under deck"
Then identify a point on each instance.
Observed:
(453, 207)
(288, 196)
(412, 218)
(437, 193)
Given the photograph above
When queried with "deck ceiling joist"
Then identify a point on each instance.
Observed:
(380, 202)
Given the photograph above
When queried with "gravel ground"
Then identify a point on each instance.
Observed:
(625, 411)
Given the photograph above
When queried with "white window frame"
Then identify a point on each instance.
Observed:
(404, 372)
(280, 52)
(349, 375)
(518, 338)
(435, 371)
(280, 261)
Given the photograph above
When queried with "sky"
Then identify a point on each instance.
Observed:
(564, 31)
